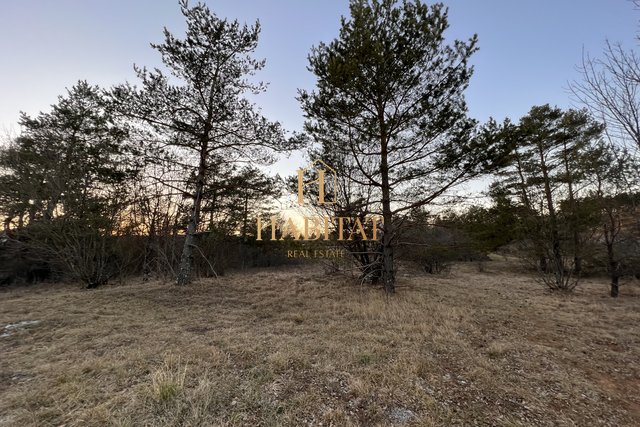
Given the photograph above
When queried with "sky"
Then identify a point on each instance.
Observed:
(529, 49)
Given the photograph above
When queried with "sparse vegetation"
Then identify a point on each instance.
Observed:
(168, 381)
(297, 347)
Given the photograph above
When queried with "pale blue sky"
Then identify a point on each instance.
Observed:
(528, 49)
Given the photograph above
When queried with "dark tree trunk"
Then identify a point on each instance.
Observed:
(615, 279)
(388, 274)
(544, 267)
(610, 232)
(614, 270)
(245, 217)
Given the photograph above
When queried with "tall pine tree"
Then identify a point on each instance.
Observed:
(201, 107)
(390, 94)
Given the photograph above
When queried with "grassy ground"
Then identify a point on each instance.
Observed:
(298, 347)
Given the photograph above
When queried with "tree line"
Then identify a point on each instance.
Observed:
(159, 177)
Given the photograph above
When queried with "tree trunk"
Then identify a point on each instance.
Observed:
(556, 252)
(615, 278)
(577, 260)
(614, 266)
(186, 259)
(610, 232)
(544, 267)
(245, 217)
(543, 263)
(388, 276)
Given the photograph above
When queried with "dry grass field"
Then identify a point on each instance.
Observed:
(297, 347)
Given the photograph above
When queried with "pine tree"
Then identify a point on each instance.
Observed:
(201, 106)
(390, 93)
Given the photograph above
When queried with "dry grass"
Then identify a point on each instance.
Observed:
(296, 347)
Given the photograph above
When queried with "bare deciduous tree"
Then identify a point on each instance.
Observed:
(610, 88)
